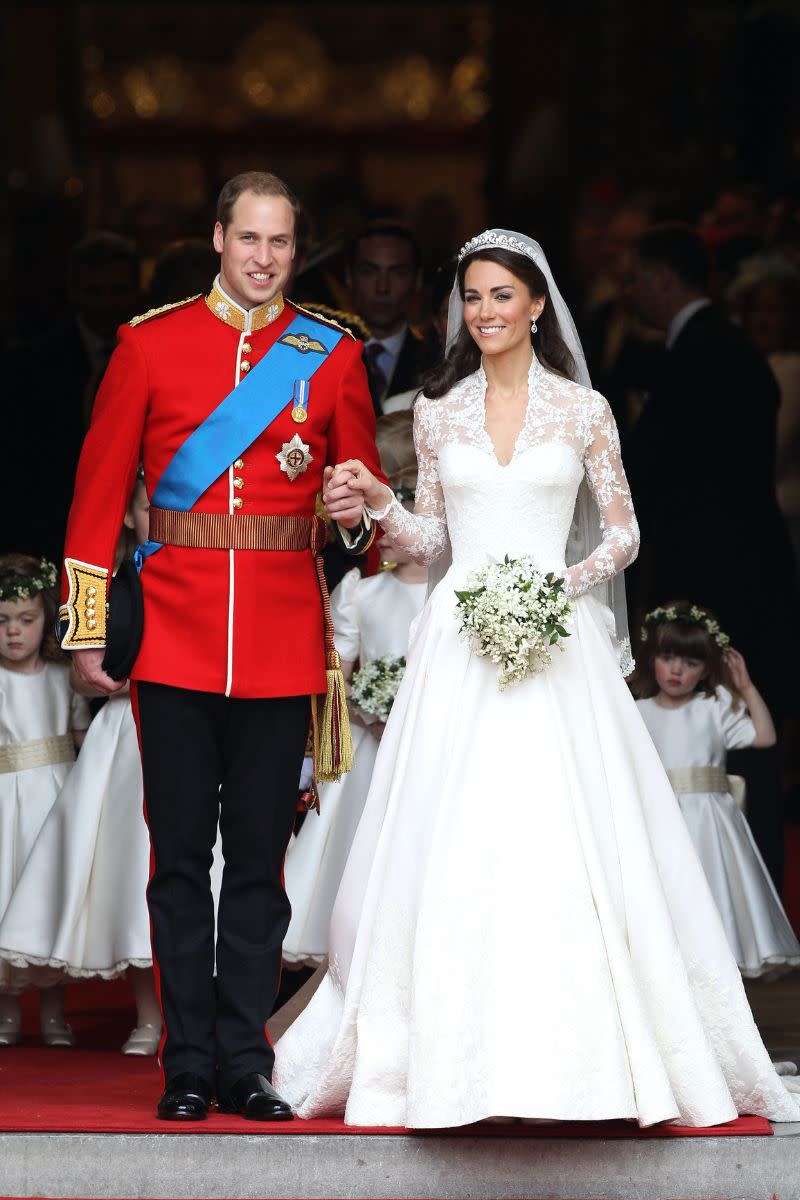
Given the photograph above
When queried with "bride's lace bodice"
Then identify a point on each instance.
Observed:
(526, 506)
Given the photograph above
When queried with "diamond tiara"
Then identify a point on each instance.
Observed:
(501, 241)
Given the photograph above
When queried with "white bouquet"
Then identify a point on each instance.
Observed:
(513, 614)
(374, 686)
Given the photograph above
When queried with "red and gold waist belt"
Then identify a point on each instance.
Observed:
(236, 531)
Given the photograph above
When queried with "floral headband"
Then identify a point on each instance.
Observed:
(690, 616)
(23, 587)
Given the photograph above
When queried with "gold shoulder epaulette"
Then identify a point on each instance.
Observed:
(350, 321)
(320, 313)
(165, 308)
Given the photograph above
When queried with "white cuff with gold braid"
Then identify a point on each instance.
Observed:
(352, 538)
(86, 605)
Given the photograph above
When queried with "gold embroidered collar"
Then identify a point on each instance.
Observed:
(246, 320)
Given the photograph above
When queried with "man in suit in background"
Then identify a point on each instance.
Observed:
(53, 379)
(701, 463)
(384, 277)
(182, 269)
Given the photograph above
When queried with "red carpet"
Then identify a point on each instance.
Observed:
(95, 1089)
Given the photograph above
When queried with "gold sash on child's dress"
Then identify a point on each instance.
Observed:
(686, 780)
(41, 752)
(697, 779)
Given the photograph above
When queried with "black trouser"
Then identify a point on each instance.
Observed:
(207, 757)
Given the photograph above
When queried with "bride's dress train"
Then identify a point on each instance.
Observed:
(523, 927)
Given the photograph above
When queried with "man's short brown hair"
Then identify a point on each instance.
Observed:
(262, 183)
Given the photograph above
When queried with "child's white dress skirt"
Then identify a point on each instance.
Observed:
(32, 708)
(79, 908)
(699, 735)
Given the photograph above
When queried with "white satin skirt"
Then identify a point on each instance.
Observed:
(79, 908)
(523, 926)
(26, 798)
(758, 931)
(316, 857)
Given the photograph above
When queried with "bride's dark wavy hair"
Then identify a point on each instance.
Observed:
(464, 356)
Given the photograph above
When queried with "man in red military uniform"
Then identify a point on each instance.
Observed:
(233, 643)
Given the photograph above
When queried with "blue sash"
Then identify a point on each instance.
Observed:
(240, 418)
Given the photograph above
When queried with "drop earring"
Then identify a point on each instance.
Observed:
(533, 325)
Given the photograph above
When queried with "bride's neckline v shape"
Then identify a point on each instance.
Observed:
(490, 442)
(483, 391)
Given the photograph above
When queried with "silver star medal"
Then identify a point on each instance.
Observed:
(294, 457)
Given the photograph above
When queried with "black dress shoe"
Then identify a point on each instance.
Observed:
(255, 1098)
(186, 1098)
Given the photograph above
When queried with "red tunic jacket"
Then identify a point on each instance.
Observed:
(245, 622)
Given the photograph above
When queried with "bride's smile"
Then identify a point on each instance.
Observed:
(498, 308)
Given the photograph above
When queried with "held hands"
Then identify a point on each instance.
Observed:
(738, 669)
(347, 487)
(88, 665)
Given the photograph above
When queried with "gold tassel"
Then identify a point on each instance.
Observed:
(334, 749)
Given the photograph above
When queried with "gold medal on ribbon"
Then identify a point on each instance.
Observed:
(300, 401)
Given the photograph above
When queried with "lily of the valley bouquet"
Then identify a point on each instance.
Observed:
(514, 614)
(374, 686)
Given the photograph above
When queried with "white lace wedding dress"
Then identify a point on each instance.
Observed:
(523, 927)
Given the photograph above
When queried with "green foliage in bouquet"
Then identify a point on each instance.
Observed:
(514, 614)
(374, 686)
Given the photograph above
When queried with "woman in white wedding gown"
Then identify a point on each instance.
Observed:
(529, 834)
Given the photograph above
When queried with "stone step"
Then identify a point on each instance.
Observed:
(377, 1167)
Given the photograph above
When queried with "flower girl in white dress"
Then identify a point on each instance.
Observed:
(626, 1000)
(93, 849)
(371, 617)
(698, 702)
(42, 720)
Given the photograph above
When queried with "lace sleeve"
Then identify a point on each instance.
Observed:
(606, 478)
(423, 533)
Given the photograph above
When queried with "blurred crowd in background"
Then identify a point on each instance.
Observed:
(394, 278)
